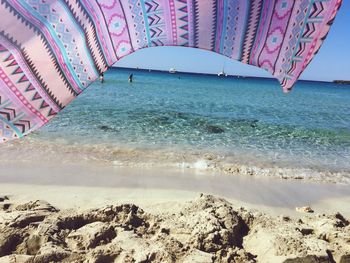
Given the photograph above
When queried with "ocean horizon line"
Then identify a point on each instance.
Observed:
(216, 75)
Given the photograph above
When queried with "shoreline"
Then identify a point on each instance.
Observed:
(183, 160)
(275, 194)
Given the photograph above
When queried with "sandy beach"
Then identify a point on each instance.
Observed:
(128, 134)
(82, 213)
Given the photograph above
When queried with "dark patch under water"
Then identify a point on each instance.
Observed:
(214, 129)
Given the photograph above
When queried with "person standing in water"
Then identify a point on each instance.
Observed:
(131, 78)
(102, 78)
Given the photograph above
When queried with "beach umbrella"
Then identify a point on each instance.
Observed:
(52, 50)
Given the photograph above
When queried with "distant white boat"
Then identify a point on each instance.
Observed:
(222, 74)
(172, 71)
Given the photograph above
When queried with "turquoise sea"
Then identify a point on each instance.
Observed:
(248, 119)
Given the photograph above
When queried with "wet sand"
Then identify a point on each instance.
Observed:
(270, 194)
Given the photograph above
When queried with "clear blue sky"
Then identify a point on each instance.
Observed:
(332, 62)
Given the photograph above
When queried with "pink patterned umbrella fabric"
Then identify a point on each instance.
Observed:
(52, 50)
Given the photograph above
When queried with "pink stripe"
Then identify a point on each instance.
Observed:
(312, 49)
(111, 60)
(31, 78)
(330, 15)
(262, 26)
(19, 95)
(53, 45)
(173, 20)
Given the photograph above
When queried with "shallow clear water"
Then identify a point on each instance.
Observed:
(309, 127)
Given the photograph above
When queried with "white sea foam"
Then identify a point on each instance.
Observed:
(36, 151)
